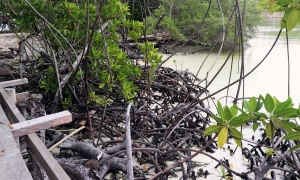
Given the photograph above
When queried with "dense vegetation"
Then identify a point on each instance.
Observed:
(74, 34)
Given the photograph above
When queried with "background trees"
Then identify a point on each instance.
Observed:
(182, 17)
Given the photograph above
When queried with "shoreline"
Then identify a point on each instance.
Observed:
(273, 15)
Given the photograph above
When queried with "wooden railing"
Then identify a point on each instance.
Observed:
(13, 125)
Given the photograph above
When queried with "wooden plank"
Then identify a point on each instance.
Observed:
(44, 122)
(11, 107)
(12, 165)
(51, 166)
(20, 96)
(11, 92)
(13, 82)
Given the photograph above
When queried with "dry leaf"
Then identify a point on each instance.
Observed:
(10, 127)
(1, 154)
(144, 168)
(1, 122)
(231, 165)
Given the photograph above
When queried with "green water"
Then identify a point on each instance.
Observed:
(270, 77)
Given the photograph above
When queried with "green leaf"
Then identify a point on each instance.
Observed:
(222, 136)
(246, 106)
(283, 23)
(269, 103)
(252, 104)
(217, 119)
(237, 136)
(238, 121)
(292, 136)
(284, 18)
(276, 102)
(276, 123)
(284, 105)
(227, 114)
(269, 152)
(291, 112)
(255, 126)
(295, 147)
(274, 7)
(269, 130)
(263, 3)
(101, 85)
(299, 16)
(285, 2)
(238, 142)
(287, 126)
(234, 110)
(212, 129)
(220, 109)
(261, 98)
(260, 115)
(292, 19)
(259, 105)
(263, 121)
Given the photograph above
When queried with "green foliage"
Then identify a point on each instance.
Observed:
(67, 100)
(212, 129)
(181, 17)
(269, 152)
(228, 120)
(290, 8)
(279, 115)
(101, 100)
(152, 58)
(49, 81)
(109, 68)
(223, 173)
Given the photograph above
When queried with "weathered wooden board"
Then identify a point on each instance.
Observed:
(52, 167)
(13, 82)
(11, 107)
(12, 165)
(19, 96)
(22, 95)
(44, 122)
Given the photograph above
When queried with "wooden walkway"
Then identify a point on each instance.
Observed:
(12, 165)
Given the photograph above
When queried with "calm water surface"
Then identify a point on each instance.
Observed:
(270, 77)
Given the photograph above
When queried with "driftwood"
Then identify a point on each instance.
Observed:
(98, 158)
(78, 169)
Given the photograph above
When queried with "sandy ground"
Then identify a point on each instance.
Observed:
(8, 40)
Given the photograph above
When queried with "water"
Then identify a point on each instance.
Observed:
(270, 77)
